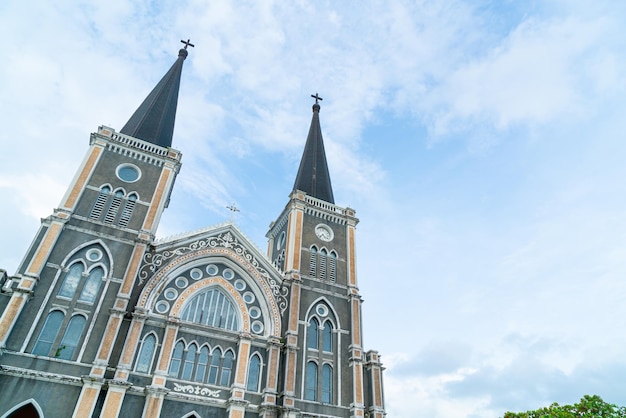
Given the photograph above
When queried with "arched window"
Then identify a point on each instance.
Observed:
(310, 382)
(71, 281)
(254, 373)
(114, 206)
(332, 267)
(213, 308)
(313, 262)
(327, 337)
(48, 333)
(92, 286)
(71, 337)
(227, 366)
(312, 334)
(146, 354)
(100, 203)
(127, 212)
(327, 383)
(177, 358)
(190, 360)
(214, 368)
(203, 361)
(322, 263)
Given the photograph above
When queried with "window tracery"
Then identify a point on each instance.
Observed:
(194, 364)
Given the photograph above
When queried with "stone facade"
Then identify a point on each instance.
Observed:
(103, 320)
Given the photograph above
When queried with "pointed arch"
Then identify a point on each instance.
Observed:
(189, 361)
(25, 409)
(203, 362)
(327, 336)
(192, 414)
(254, 373)
(91, 288)
(101, 201)
(214, 367)
(312, 339)
(177, 358)
(227, 367)
(147, 350)
(72, 279)
(313, 261)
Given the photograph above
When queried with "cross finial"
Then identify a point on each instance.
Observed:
(316, 97)
(232, 208)
(187, 43)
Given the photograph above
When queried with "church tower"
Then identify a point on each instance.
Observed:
(103, 320)
(326, 371)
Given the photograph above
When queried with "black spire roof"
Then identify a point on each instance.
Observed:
(313, 176)
(154, 120)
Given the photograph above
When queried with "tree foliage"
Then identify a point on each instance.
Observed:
(588, 407)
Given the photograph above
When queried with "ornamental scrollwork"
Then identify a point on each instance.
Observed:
(197, 390)
(153, 261)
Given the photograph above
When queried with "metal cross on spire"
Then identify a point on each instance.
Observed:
(232, 208)
(316, 97)
(187, 43)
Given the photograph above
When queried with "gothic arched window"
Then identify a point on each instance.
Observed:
(214, 368)
(114, 206)
(327, 337)
(203, 361)
(92, 286)
(332, 266)
(71, 281)
(189, 362)
(313, 262)
(312, 334)
(254, 373)
(177, 358)
(227, 366)
(127, 212)
(146, 354)
(101, 201)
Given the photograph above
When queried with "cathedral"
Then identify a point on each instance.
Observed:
(102, 319)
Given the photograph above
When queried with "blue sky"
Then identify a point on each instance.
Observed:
(481, 144)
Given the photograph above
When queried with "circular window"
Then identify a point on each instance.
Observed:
(128, 173)
(94, 255)
(255, 312)
(196, 274)
(181, 282)
(211, 269)
(248, 297)
(257, 327)
(321, 310)
(228, 274)
(162, 306)
(170, 294)
(240, 284)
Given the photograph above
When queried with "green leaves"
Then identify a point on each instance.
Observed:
(588, 407)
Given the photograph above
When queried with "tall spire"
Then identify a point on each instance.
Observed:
(313, 176)
(154, 120)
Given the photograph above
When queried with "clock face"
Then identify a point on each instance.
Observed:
(324, 232)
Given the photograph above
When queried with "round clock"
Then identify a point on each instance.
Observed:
(324, 232)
